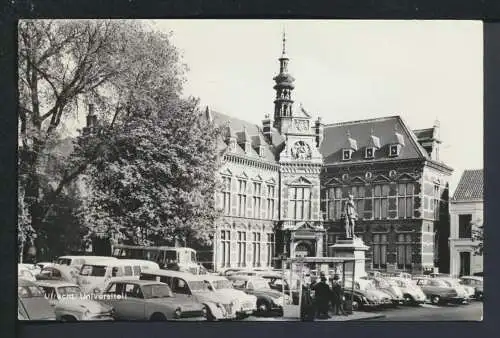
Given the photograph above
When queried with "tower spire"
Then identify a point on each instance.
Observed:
(283, 53)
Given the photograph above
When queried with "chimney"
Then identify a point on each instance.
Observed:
(318, 131)
(266, 129)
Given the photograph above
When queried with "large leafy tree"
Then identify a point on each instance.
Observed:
(156, 181)
(118, 66)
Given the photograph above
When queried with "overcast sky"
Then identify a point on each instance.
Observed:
(346, 70)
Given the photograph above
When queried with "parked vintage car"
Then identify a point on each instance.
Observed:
(462, 290)
(150, 300)
(438, 291)
(58, 272)
(25, 273)
(269, 301)
(70, 304)
(79, 261)
(278, 282)
(365, 295)
(475, 282)
(412, 294)
(31, 302)
(93, 278)
(229, 271)
(245, 304)
(185, 286)
(391, 289)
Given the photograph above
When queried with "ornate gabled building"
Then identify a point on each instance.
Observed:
(285, 183)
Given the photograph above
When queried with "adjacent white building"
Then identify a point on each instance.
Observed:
(466, 212)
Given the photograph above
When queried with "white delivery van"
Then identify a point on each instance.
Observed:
(95, 276)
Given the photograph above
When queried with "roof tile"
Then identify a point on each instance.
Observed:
(470, 186)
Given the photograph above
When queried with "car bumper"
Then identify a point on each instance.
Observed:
(190, 319)
(454, 300)
(100, 318)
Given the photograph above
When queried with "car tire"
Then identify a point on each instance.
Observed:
(409, 300)
(210, 316)
(436, 300)
(158, 317)
(68, 318)
(355, 305)
(263, 307)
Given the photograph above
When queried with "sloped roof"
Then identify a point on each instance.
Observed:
(361, 131)
(424, 134)
(255, 132)
(470, 187)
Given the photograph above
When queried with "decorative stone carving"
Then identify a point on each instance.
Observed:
(301, 125)
(301, 151)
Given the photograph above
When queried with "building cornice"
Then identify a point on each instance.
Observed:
(262, 164)
(439, 165)
(375, 161)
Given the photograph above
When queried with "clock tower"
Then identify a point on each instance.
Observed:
(300, 229)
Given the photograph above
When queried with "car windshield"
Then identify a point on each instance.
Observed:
(383, 283)
(198, 285)
(93, 270)
(64, 261)
(156, 291)
(222, 284)
(29, 291)
(66, 291)
(440, 283)
(260, 284)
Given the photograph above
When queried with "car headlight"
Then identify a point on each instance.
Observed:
(178, 312)
(204, 310)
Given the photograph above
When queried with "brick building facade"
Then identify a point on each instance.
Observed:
(286, 180)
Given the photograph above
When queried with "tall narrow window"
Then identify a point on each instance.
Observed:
(465, 226)
(225, 239)
(333, 203)
(381, 201)
(379, 251)
(300, 203)
(404, 251)
(257, 200)
(270, 201)
(436, 201)
(226, 195)
(270, 249)
(405, 200)
(359, 199)
(256, 249)
(242, 197)
(242, 248)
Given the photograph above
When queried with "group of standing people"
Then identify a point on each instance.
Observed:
(324, 295)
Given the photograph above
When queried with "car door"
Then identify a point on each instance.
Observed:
(115, 296)
(50, 294)
(423, 284)
(134, 308)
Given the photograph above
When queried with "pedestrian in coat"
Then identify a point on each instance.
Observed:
(306, 305)
(337, 297)
(322, 294)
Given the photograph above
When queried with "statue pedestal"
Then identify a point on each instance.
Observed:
(351, 248)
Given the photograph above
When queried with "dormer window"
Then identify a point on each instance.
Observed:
(373, 145)
(370, 152)
(396, 144)
(350, 146)
(394, 150)
(346, 154)
(232, 145)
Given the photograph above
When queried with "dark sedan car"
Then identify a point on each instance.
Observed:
(277, 282)
(269, 301)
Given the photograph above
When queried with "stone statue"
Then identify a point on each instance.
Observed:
(301, 151)
(350, 217)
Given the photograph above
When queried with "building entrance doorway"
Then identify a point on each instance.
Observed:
(464, 263)
(304, 249)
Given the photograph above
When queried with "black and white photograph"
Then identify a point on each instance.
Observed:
(250, 170)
